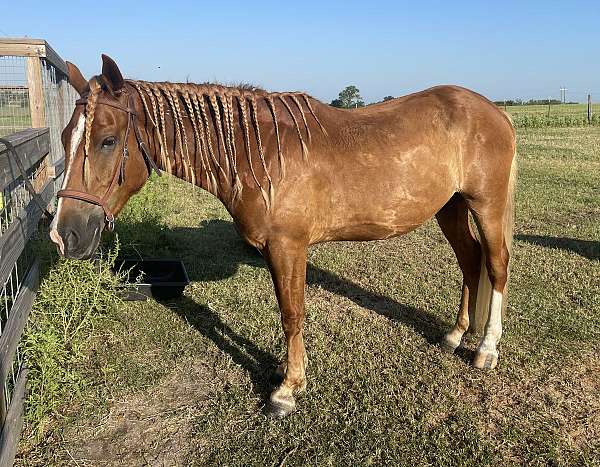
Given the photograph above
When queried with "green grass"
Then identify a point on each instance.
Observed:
(13, 119)
(562, 115)
(183, 383)
(560, 109)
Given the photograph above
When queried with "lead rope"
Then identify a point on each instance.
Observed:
(37, 199)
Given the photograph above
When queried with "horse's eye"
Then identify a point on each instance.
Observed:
(109, 142)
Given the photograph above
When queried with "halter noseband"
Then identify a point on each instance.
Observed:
(118, 175)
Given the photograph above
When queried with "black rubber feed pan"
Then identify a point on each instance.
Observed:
(161, 279)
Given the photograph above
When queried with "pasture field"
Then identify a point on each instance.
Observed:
(562, 115)
(183, 383)
(559, 109)
(13, 119)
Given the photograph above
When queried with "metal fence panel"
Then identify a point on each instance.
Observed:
(15, 114)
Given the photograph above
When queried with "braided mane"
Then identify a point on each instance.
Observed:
(90, 110)
(195, 102)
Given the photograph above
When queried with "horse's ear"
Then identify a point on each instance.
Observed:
(111, 72)
(76, 78)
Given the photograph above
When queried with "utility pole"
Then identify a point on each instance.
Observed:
(589, 109)
(563, 94)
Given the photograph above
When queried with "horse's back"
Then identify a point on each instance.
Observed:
(385, 169)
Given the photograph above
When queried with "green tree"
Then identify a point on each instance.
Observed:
(348, 98)
(388, 98)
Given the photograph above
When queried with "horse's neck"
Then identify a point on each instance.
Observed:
(178, 153)
(202, 132)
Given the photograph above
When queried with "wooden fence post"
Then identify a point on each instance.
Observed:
(589, 109)
(36, 92)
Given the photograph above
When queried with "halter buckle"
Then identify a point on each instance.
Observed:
(110, 222)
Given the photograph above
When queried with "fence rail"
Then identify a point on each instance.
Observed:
(36, 101)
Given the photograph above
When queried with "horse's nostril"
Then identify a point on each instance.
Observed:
(71, 240)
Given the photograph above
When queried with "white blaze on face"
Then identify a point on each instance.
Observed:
(76, 137)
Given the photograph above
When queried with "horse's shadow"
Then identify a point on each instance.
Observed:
(587, 248)
(214, 251)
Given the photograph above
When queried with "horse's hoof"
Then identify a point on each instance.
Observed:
(448, 345)
(485, 360)
(280, 408)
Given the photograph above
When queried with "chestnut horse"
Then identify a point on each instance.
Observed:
(293, 172)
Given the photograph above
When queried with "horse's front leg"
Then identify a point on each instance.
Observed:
(287, 262)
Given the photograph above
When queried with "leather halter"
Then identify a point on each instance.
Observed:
(118, 174)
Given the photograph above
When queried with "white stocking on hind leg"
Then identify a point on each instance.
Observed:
(487, 353)
(497, 257)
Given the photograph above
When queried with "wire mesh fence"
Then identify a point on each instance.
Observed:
(59, 100)
(34, 92)
(15, 114)
(14, 199)
(8, 295)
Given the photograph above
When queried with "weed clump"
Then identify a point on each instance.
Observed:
(73, 297)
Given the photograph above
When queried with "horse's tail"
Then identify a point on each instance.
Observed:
(484, 289)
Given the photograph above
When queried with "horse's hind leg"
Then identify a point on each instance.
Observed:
(453, 219)
(490, 221)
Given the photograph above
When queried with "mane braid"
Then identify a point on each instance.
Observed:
(261, 153)
(206, 124)
(314, 114)
(242, 104)
(179, 163)
(200, 149)
(138, 87)
(181, 135)
(205, 145)
(218, 124)
(222, 100)
(90, 110)
(230, 118)
(302, 143)
(158, 94)
(188, 165)
(190, 101)
(156, 122)
(297, 102)
(271, 104)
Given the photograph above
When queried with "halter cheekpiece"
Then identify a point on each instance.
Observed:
(118, 175)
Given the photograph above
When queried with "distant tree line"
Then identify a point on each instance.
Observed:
(350, 98)
(531, 102)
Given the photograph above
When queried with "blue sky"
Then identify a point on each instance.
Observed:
(505, 49)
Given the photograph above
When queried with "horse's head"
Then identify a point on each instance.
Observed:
(105, 160)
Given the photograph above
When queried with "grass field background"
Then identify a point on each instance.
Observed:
(559, 109)
(562, 115)
(13, 119)
(183, 383)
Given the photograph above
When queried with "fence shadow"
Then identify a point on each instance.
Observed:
(215, 251)
(587, 248)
